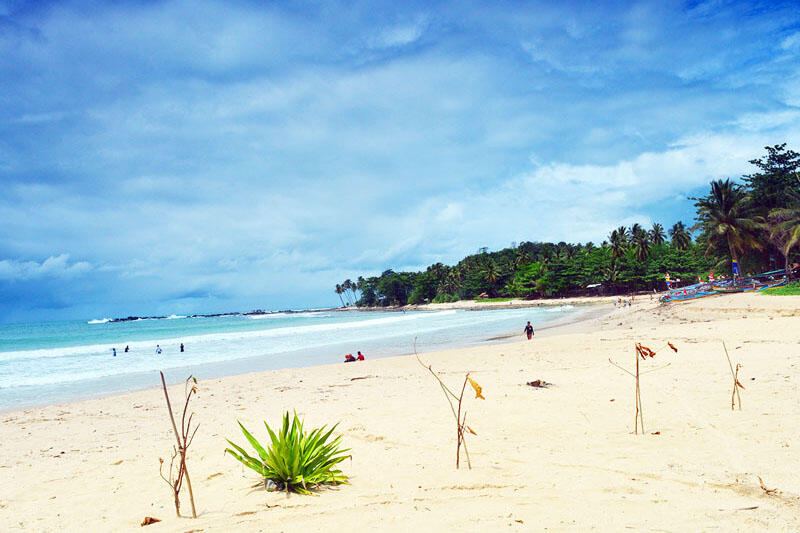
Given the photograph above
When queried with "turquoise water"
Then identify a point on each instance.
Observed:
(45, 363)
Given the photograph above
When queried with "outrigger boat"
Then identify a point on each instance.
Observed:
(760, 282)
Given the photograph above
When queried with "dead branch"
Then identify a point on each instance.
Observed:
(455, 408)
(642, 352)
(735, 375)
(175, 479)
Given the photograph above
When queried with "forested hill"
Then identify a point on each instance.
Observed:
(756, 222)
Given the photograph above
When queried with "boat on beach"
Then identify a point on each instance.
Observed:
(759, 282)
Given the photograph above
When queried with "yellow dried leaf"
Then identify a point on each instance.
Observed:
(470, 430)
(477, 388)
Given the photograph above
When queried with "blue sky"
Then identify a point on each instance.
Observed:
(200, 156)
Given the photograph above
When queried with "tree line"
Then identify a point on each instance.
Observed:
(755, 223)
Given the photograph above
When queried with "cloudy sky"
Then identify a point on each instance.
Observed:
(205, 156)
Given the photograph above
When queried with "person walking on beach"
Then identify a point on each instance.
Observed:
(529, 330)
(158, 349)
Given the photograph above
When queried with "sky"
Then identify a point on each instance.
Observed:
(206, 156)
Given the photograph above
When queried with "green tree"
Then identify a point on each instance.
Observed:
(339, 292)
(725, 216)
(640, 245)
(680, 238)
(783, 227)
(777, 179)
(657, 235)
(618, 242)
(636, 229)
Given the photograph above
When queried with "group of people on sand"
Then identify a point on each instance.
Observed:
(621, 302)
(158, 349)
(349, 357)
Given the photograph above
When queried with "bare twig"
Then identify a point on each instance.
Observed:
(461, 419)
(764, 487)
(642, 352)
(735, 376)
(183, 440)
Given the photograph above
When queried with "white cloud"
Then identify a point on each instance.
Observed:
(399, 35)
(791, 42)
(52, 267)
(252, 151)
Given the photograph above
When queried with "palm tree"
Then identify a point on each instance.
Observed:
(657, 236)
(347, 286)
(618, 240)
(783, 225)
(612, 272)
(359, 284)
(636, 229)
(522, 258)
(680, 237)
(491, 274)
(339, 292)
(641, 245)
(725, 215)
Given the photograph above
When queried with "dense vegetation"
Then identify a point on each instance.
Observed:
(756, 223)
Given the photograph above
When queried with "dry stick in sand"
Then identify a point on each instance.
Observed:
(735, 376)
(643, 352)
(461, 421)
(184, 440)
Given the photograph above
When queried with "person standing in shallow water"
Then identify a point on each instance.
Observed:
(158, 349)
(181, 347)
(529, 330)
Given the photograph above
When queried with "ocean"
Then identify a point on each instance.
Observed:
(53, 362)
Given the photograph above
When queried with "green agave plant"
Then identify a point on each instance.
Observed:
(294, 460)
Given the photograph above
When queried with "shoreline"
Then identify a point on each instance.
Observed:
(94, 395)
(477, 305)
(95, 462)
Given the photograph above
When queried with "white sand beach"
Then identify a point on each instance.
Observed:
(557, 458)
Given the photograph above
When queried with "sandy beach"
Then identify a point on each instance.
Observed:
(557, 458)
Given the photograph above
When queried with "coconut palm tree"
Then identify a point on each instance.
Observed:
(680, 237)
(491, 274)
(657, 235)
(348, 286)
(783, 225)
(640, 245)
(612, 272)
(618, 241)
(636, 229)
(339, 292)
(521, 259)
(725, 215)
